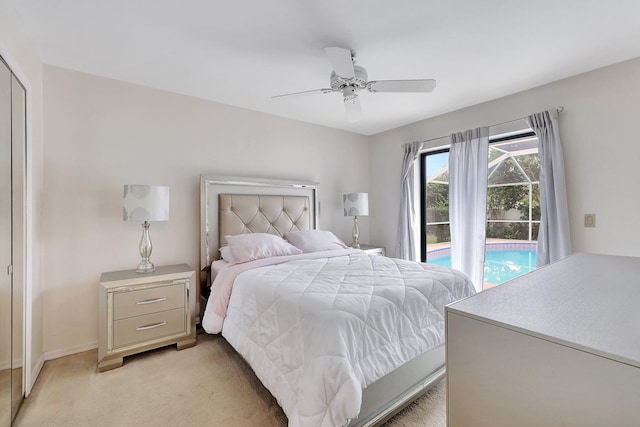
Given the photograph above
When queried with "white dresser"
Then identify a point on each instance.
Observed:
(557, 347)
(141, 311)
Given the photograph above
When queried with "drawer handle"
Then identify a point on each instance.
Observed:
(151, 301)
(153, 325)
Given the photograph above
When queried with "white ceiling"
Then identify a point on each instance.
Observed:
(244, 51)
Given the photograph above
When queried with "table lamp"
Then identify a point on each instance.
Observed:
(144, 203)
(355, 205)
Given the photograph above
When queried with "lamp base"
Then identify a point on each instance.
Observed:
(145, 266)
(356, 234)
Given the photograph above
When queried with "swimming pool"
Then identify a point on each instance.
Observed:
(502, 261)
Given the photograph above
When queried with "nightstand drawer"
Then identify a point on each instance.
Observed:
(150, 300)
(148, 327)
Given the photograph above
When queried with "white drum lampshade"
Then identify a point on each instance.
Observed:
(355, 205)
(144, 203)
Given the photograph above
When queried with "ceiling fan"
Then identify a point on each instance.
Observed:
(349, 78)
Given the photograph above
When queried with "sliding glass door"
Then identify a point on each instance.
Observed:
(436, 235)
(513, 208)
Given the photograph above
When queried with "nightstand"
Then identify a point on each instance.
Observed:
(143, 311)
(373, 250)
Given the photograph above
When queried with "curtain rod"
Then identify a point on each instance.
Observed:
(559, 109)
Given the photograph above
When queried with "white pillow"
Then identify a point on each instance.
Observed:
(225, 254)
(314, 240)
(249, 247)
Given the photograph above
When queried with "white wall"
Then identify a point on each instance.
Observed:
(601, 149)
(22, 57)
(101, 134)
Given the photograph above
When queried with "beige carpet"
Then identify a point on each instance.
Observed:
(206, 385)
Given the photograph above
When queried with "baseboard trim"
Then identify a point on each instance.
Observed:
(56, 354)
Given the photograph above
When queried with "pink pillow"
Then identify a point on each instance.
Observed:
(249, 247)
(314, 240)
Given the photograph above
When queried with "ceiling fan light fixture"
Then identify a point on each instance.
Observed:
(349, 93)
(353, 108)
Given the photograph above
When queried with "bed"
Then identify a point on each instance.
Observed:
(338, 337)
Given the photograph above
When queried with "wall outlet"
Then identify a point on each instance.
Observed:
(589, 220)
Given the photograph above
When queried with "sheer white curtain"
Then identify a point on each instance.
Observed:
(554, 240)
(407, 221)
(468, 170)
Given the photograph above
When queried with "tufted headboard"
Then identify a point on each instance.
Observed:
(230, 205)
(254, 213)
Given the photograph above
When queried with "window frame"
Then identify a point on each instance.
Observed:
(423, 197)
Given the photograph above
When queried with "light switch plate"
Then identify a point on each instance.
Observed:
(589, 220)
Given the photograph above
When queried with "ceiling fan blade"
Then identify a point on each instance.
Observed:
(424, 85)
(306, 92)
(341, 61)
(353, 109)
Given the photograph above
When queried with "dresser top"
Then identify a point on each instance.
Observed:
(585, 301)
(132, 275)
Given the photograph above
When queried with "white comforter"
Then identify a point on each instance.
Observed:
(318, 331)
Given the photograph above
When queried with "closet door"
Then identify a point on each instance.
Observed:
(18, 251)
(5, 245)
